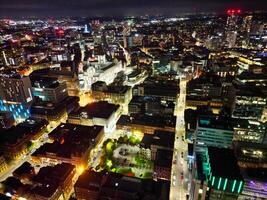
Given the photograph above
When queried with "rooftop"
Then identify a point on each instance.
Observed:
(101, 86)
(121, 187)
(44, 82)
(52, 109)
(70, 140)
(213, 80)
(248, 90)
(164, 158)
(90, 180)
(141, 99)
(25, 168)
(160, 88)
(25, 129)
(54, 174)
(259, 174)
(146, 120)
(223, 163)
(215, 122)
(101, 109)
(10, 73)
(159, 138)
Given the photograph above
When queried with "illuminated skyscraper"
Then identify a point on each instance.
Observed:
(87, 28)
(5, 59)
(245, 29)
(15, 89)
(15, 94)
(126, 34)
(231, 27)
(246, 26)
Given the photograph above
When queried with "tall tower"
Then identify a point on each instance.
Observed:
(246, 25)
(15, 95)
(86, 28)
(126, 33)
(231, 27)
(245, 29)
(5, 59)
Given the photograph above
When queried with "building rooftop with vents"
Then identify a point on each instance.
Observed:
(71, 143)
(101, 109)
(101, 185)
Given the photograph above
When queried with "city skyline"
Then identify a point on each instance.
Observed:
(61, 8)
(133, 100)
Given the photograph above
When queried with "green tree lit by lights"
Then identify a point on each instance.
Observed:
(109, 163)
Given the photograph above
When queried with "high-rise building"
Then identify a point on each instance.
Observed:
(126, 36)
(6, 119)
(49, 89)
(5, 59)
(231, 27)
(15, 94)
(213, 131)
(15, 89)
(216, 175)
(246, 26)
(250, 102)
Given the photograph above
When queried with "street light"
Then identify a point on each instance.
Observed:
(80, 169)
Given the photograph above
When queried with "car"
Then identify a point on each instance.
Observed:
(174, 177)
(173, 183)
(182, 154)
(182, 175)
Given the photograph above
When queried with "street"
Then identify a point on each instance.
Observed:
(179, 173)
(27, 157)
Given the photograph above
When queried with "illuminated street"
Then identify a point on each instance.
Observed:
(14, 164)
(133, 100)
(179, 166)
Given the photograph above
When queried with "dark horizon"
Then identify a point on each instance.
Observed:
(61, 8)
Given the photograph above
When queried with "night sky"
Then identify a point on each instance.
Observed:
(120, 7)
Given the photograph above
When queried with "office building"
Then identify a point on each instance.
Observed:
(120, 95)
(213, 131)
(251, 155)
(50, 183)
(255, 184)
(15, 94)
(249, 130)
(15, 89)
(166, 90)
(216, 175)
(250, 102)
(93, 185)
(6, 119)
(140, 124)
(150, 105)
(71, 143)
(18, 140)
(231, 28)
(99, 113)
(3, 164)
(247, 22)
(49, 89)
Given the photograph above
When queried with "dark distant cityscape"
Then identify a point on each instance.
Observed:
(147, 107)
